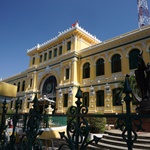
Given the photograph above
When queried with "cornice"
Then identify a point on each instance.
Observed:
(16, 77)
(59, 60)
(119, 41)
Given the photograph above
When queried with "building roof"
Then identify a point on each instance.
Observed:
(63, 33)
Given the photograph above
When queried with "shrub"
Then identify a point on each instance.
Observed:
(97, 124)
(10, 114)
(69, 113)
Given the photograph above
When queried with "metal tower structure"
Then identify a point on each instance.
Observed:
(143, 13)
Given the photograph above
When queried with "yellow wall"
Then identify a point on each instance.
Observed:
(84, 49)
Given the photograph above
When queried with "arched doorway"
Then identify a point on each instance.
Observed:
(49, 88)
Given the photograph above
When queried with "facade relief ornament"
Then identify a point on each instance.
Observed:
(115, 75)
(74, 60)
(60, 93)
(40, 75)
(70, 91)
(123, 50)
(148, 49)
(127, 53)
(63, 43)
(57, 70)
(47, 69)
(106, 54)
(72, 38)
(92, 59)
(37, 56)
(116, 85)
(115, 50)
(133, 46)
(143, 44)
(109, 60)
(38, 46)
(99, 87)
(92, 91)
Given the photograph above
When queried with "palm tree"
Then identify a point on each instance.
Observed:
(135, 89)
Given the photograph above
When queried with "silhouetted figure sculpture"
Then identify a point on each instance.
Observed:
(141, 81)
(142, 74)
(148, 79)
(140, 77)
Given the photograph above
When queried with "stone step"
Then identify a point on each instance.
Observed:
(118, 133)
(113, 140)
(107, 146)
(116, 138)
(124, 144)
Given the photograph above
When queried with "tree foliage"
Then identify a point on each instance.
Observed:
(133, 85)
(97, 124)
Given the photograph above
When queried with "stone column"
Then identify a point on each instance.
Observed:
(35, 81)
(74, 71)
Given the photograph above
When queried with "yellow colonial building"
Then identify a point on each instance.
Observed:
(77, 58)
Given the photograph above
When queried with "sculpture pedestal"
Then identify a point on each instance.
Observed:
(146, 124)
(145, 121)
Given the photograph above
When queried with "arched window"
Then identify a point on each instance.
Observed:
(86, 70)
(49, 87)
(23, 85)
(133, 58)
(100, 98)
(116, 63)
(18, 87)
(85, 99)
(116, 97)
(100, 67)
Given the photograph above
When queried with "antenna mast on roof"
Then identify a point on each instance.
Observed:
(143, 13)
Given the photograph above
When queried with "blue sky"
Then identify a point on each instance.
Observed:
(24, 23)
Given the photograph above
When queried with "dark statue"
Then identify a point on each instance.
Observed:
(142, 74)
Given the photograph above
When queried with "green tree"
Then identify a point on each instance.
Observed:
(134, 87)
(97, 124)
(70, 108)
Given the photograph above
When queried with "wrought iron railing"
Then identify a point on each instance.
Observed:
(77, 130)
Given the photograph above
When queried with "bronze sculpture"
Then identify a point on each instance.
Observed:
(142, 74)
